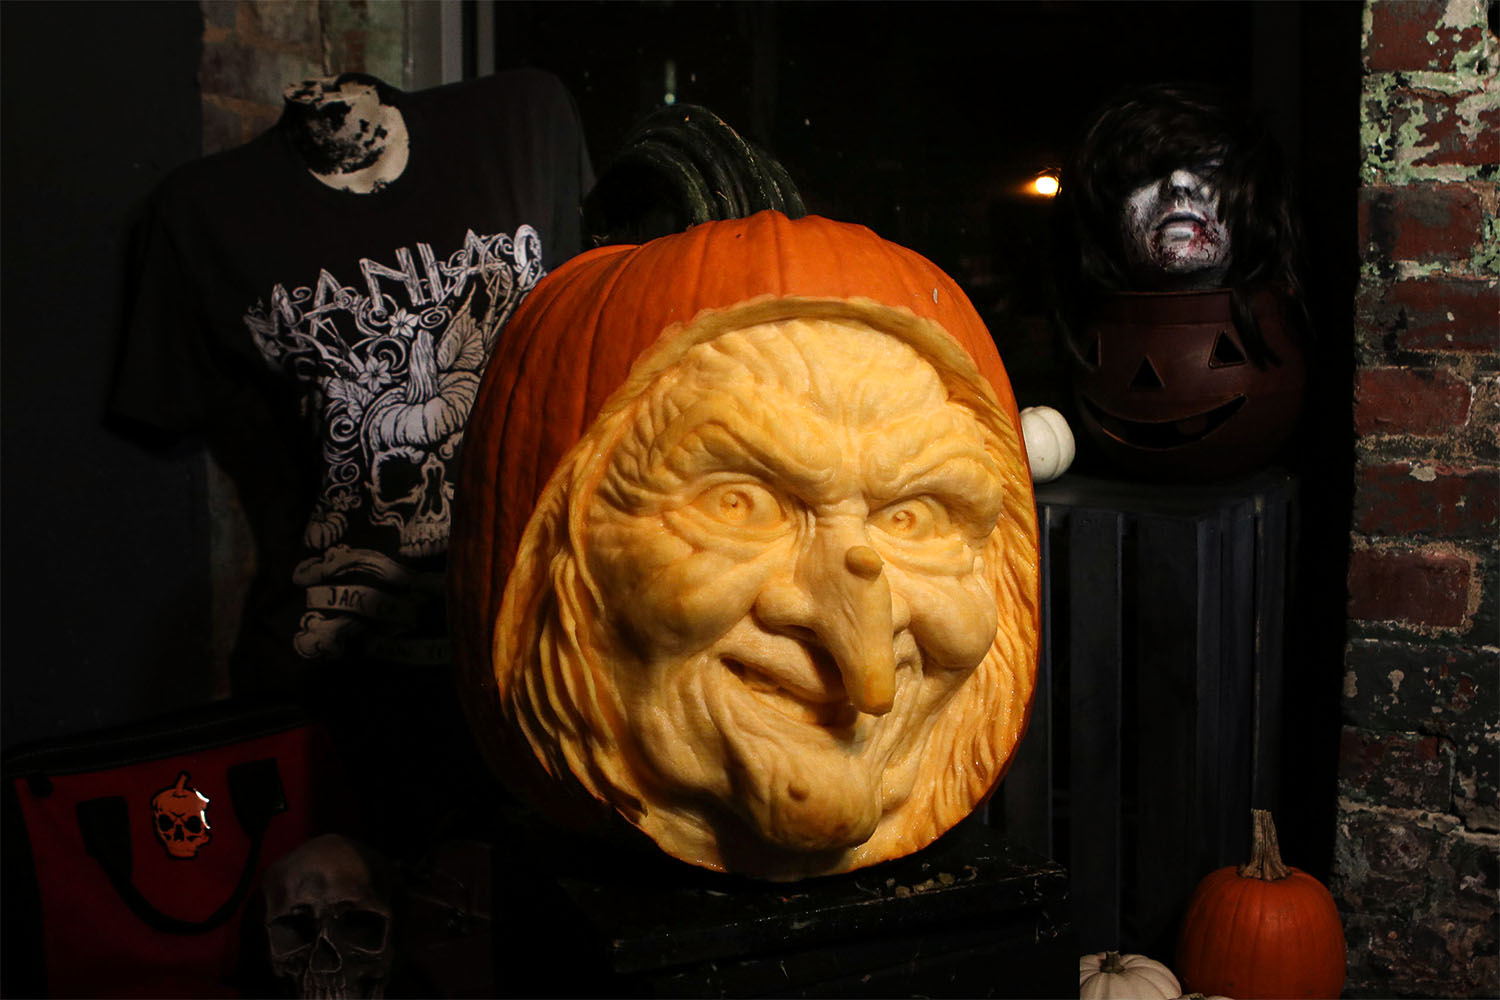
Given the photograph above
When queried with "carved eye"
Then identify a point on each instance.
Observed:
(911, 520)
(1226, 352)
(741, 505)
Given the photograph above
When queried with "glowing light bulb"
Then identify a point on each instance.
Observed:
(1045, 185)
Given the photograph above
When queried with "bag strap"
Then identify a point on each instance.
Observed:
(255, 793)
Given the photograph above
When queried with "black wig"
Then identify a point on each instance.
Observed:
(1146, 133)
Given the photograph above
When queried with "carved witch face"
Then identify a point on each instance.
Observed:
(789, 539)
(744, 556)
(783, 609)
(1173, 237)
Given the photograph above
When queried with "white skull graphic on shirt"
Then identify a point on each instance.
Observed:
(390, 367)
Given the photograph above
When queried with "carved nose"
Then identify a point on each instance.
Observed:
(842, 597)
(864, 562)
(858, 630)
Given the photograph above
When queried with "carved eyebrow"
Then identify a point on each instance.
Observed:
(756, 438)
(947, 465)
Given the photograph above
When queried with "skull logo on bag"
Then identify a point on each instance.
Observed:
(180, 816)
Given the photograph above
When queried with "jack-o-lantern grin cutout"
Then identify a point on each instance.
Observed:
(1170, 433)
(1158, 419)
(1166, 387)
(775, 605)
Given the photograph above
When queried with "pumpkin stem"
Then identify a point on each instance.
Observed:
(1265, 853)
(1112, 963)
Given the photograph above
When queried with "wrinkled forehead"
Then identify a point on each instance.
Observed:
(844, 370)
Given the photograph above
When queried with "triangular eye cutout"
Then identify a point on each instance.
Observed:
(1091, 355)
(1146, 377)
(1226, 352)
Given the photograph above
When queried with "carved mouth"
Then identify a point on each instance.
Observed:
(1164, 434)
(827, 710)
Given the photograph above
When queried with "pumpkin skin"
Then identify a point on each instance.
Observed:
(1262, 930)
(1110, 975)
(572, 355)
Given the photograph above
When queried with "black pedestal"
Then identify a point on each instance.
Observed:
(972, 915)
(1156, 725)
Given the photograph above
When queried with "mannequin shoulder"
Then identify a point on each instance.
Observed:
(218, 175)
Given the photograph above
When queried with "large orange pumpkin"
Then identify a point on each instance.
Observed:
(576, 340)
(1262, 929)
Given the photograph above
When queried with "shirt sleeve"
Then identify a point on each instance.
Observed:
(166, 377)
(571, 170)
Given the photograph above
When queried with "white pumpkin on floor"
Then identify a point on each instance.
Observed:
(1109, 975)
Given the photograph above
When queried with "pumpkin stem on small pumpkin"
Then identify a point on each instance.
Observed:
(1112, 963)
(1265, 853)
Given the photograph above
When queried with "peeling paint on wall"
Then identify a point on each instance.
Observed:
(1417, 856)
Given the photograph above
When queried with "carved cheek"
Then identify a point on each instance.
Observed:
(699, 598)
(669, 595)
(953, 617)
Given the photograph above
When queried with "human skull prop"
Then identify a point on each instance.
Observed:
(180, 817)
(328, 919)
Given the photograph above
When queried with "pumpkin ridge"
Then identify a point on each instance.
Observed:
(1253, 965)
(603, 294)
(781, 263)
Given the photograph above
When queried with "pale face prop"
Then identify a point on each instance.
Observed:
(784, 576)
(1174, 239)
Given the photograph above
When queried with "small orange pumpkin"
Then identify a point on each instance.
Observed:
(1262, 930)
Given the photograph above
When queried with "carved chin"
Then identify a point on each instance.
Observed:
(807, 778)
(798, 775)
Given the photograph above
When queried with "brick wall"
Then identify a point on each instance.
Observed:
(1417, 854)
(253, 48)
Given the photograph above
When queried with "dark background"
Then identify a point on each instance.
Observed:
(922, 121)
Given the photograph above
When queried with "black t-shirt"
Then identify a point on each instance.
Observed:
(329, 345)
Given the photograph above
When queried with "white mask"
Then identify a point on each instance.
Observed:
(1174, 239)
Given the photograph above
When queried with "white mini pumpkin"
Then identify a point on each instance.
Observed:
(1109, 975)
(1049, 442)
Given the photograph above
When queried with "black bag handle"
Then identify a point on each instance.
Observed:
(255, 794)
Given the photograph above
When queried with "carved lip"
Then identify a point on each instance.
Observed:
(1164, 434)
(827, 709)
